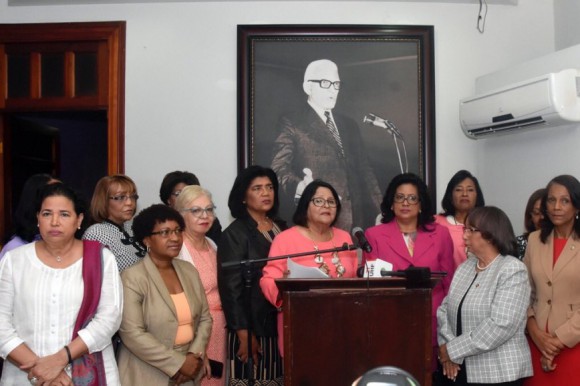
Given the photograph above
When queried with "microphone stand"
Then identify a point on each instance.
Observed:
(391, 129)
(394, 131)
(248, 273)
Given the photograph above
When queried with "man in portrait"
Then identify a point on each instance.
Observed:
(318, 143)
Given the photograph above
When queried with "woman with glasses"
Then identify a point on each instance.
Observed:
(172, 185)
(113, 206)
(408, 236)
(532, 218)
(482, 320)
(553, 261)
(253, 202)
(166, 320)
(198, 212)
(463, 193)
(315, 216)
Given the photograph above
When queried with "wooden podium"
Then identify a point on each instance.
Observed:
(335, 330)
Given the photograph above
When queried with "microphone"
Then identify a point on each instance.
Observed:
(417, 277)
(363, 243)
(383, 124)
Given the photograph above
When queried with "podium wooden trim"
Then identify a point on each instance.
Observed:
(337, 329)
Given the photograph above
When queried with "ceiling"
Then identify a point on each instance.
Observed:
(71, 2)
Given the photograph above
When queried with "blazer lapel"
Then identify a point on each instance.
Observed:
(568, 254)
(423, 243)
(159, 283)
(186, 284)
(547, 256)
(320, 130)
(396, 241)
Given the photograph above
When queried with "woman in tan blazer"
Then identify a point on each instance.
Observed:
(553, 261)
(166, 321)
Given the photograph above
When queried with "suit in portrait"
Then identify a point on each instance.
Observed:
(305, 142)
(316, 143)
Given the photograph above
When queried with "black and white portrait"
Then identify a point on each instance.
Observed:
(351, 109)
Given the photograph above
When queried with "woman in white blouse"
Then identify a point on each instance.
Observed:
(46, 308)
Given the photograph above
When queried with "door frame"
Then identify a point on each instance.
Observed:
(112, 34)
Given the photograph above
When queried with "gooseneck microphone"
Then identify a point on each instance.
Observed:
(363, 243)
(383, 124)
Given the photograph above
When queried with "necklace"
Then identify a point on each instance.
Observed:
(480, 268)
(318, 259)
(58, 258)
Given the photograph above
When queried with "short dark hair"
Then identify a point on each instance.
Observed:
(573, 186)
(495, 226)
(425, 218)
(237, 198)
(301, 213)
(447, 201)
(25, 221)
(171, 180)
(145, 221)
(60, 189)
(528, 223)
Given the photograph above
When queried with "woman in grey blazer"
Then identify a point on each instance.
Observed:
(166, 320)
(483, 318)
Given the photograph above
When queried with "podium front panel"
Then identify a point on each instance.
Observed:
(333, 336)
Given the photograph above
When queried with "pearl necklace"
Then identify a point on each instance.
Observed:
(480, 268)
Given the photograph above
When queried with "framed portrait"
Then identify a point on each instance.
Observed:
(382, 81)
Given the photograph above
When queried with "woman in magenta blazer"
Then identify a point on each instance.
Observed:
(408, 236)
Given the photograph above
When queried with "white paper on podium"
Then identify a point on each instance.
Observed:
(374, 267)
(298, 271)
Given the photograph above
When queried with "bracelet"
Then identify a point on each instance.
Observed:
(69, 356)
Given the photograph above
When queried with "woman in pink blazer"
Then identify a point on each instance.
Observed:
(408, 236)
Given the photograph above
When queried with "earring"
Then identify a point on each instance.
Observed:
(148, 248)
(38, 225)
(576, 215)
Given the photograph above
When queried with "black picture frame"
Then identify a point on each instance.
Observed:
(387, 70)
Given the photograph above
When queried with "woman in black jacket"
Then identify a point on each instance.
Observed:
(253, 202)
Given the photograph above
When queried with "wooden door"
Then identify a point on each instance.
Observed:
(58, 67)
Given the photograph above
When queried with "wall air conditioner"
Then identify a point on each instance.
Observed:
(549, 100)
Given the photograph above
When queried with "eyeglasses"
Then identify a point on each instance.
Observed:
(469, 230)
(124, 197)
(411, 199)
(166, 232)
(325, 83)
(198, 212)
(318, 201)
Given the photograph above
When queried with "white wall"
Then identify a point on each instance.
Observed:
(181, 80)
(567, 28)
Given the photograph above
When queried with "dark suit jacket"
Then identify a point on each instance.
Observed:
(241, 241)
(305, 142)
